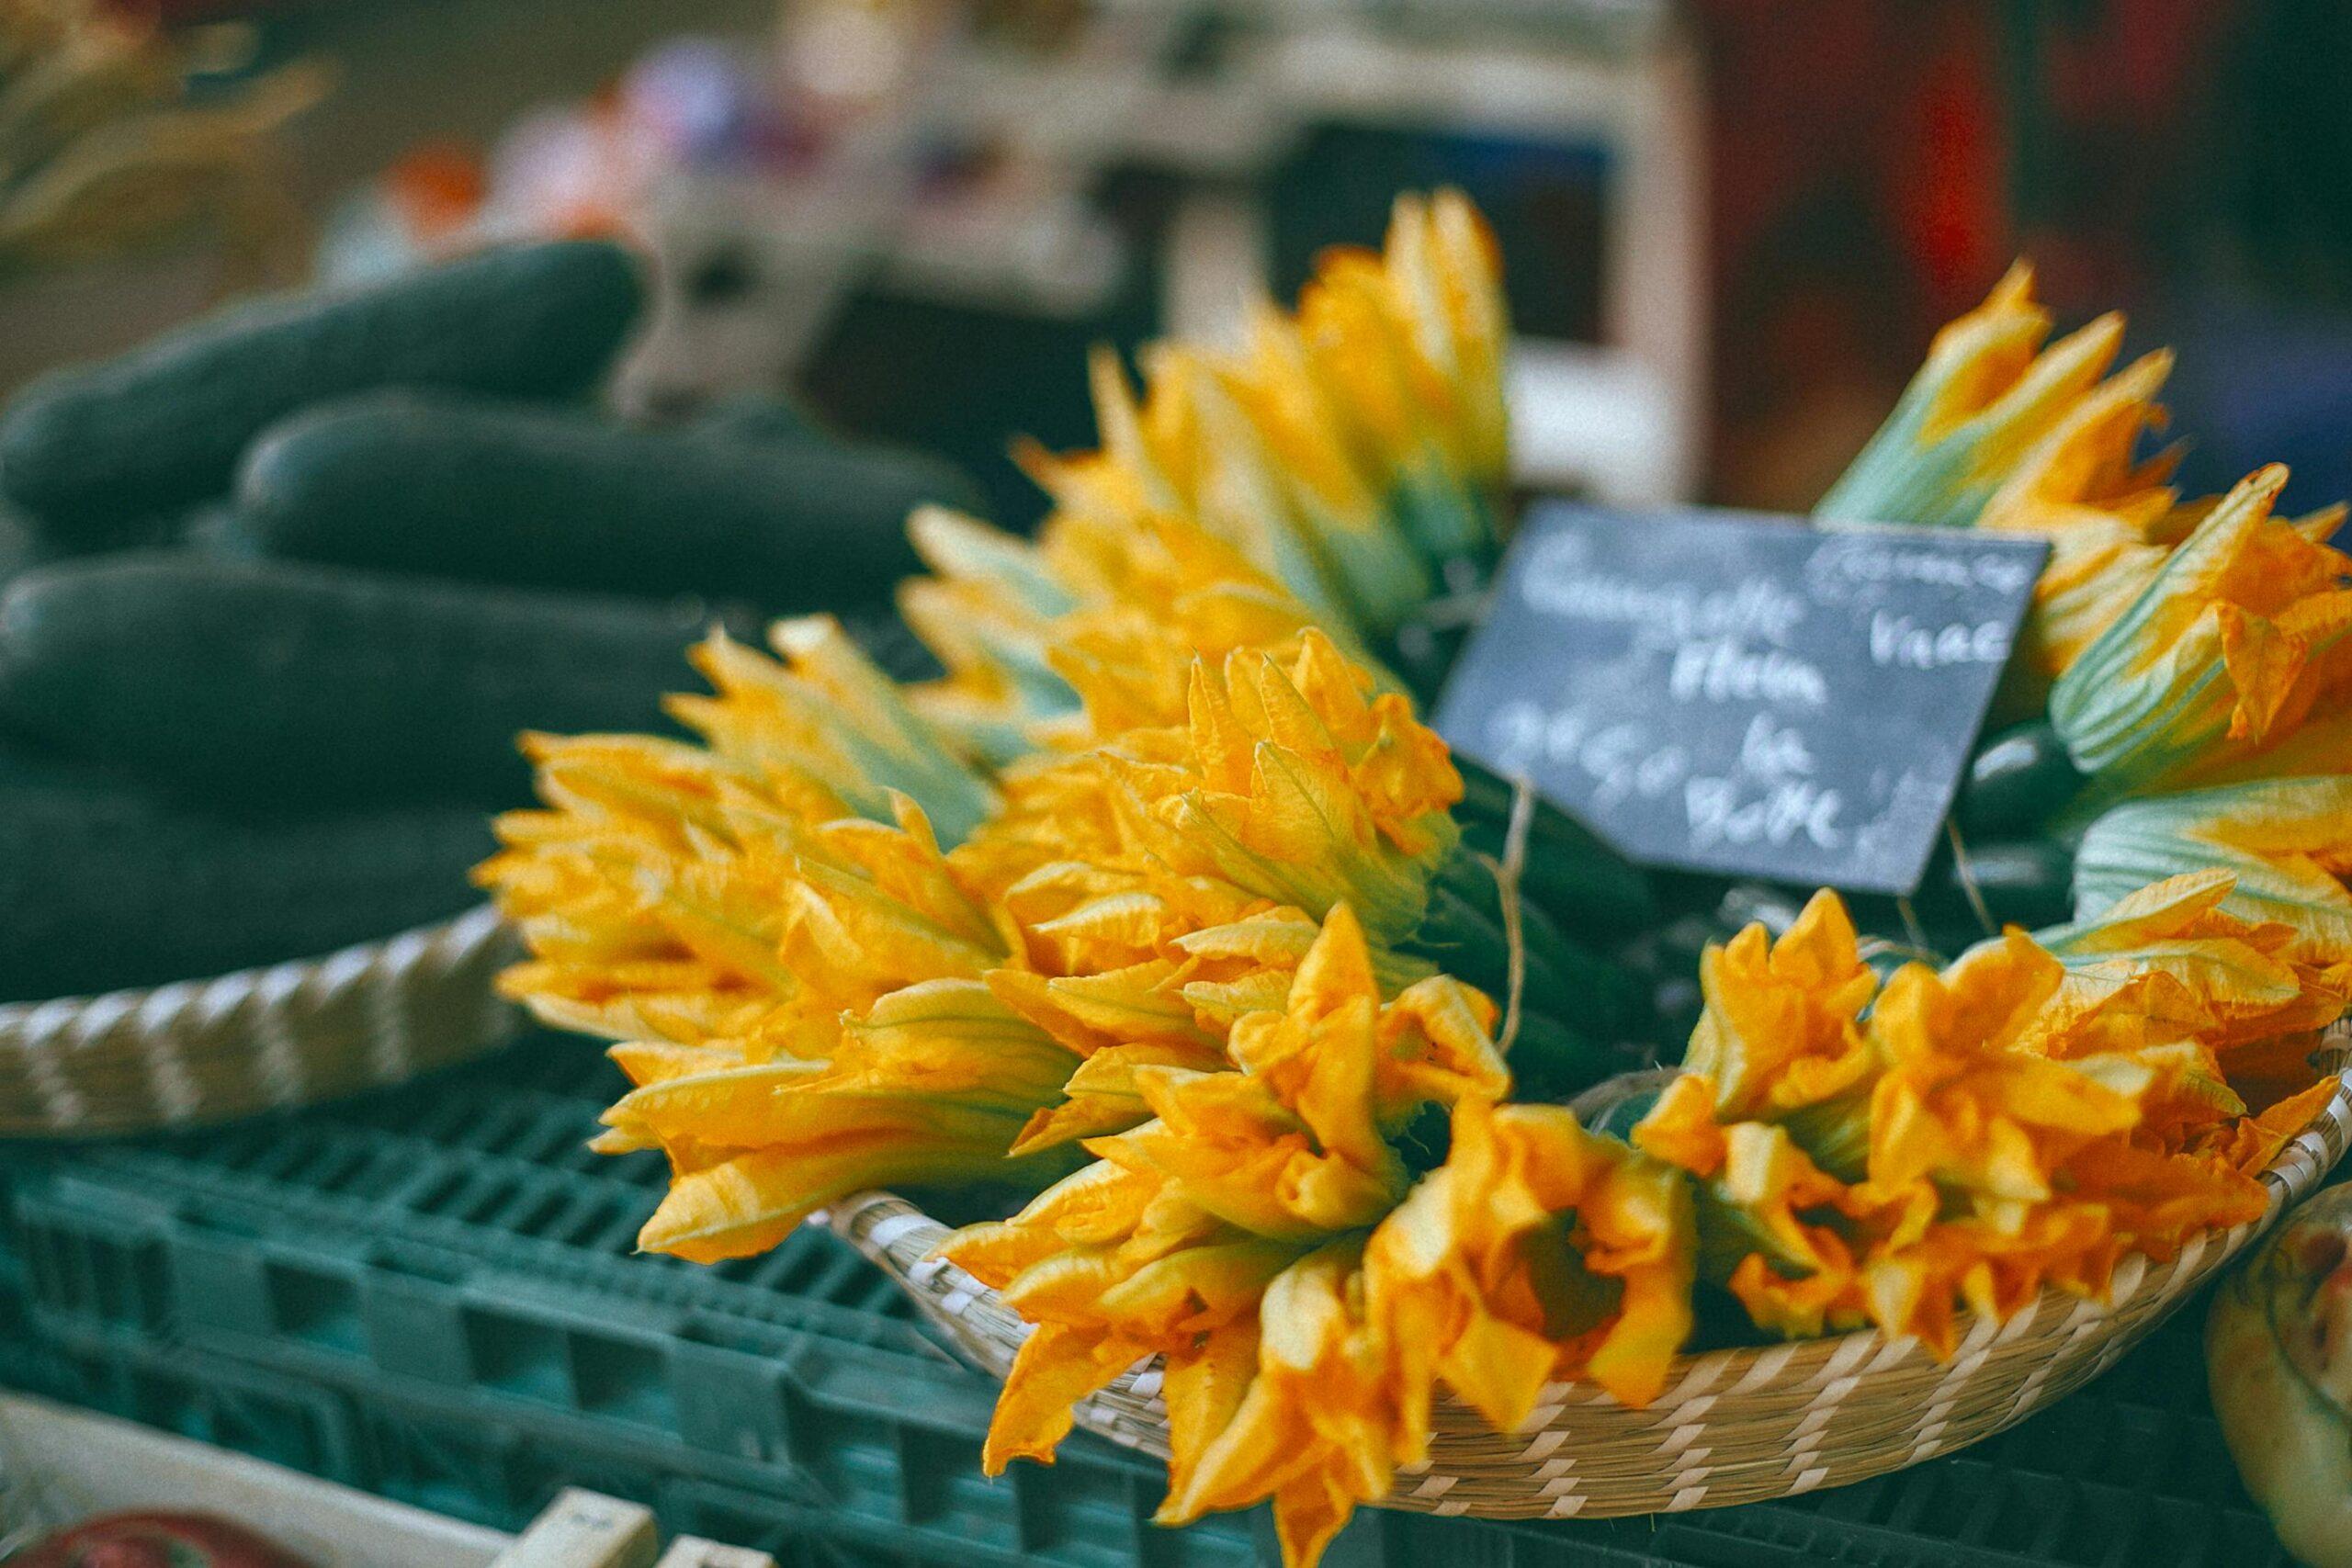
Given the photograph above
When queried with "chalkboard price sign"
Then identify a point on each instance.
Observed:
(1743, 694)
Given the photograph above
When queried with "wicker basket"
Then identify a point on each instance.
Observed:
(201, 1051)
(1733, 1425)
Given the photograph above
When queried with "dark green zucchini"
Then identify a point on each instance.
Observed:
(1462, 932)
(1551, 1062)
(259, 681)
(505, 493)
(1586, 887)
(2022, 882)
(104, 885)
(18, 550)
(761, 416)
(87, 449)
(2016, 780)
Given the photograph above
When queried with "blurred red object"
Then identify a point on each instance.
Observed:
(1875, 168)
(157, 1541)
(439, 187)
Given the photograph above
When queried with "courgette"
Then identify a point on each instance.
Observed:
(87, 449)
(18, 552)
(2020, 881)
(105, 885)
(259, 681)
(1463, 931)
(759, 416)
(1551, 1062)
(507, 493)
(1584, 885)
(2016, 780)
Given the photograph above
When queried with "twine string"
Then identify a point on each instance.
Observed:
(1911, 926)
(1506, 873)
(1968, 878)
(1880, 947)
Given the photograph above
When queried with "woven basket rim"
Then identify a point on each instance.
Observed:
(271, 1036)
(1998, 1371)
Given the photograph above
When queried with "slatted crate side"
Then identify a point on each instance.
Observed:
(884, 1493)
(453, 1242)
(353, 1306)
(248, 1409)
(102, 1217)
(2129, 1472)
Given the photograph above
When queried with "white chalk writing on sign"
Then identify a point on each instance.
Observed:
(1743, 694)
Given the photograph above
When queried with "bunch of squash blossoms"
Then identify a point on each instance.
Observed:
(1162, 913)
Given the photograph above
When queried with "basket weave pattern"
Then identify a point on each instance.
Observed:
(201, 1051)
(1737, 1425)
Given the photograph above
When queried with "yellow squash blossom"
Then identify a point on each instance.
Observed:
(1988, 394)
(1352, 451)
(2017, 1121)
(814, 998)
(1085, 633)
(1321, 1418)
(1163, 1246)
(1779, 1030)
(678, 891)
(1309, 790)
(2186, 959)
(828, 724)
(1779, 1038)
(2109, 518)
(1330, 475)
(1168, 883)
(1786, 1237)
(1958, 1104)
(2251, 1143)
(806, 984)
(1538, 1250)
(2287, 843)
(930, 1086)
(2236, 661)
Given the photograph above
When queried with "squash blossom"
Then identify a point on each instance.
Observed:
(1989, 394)
(1162, 911)
(2110, 519)
(1239, 1177)
(1999, 434)
(1537, 1251)
(1091, 629)
(1970, 1136)
(1357, 451)
(2286, 841)
(723, 891)
(1263, 1234)
(2240, 985)
(1348, 463)
(2233, 662)
(802, 984)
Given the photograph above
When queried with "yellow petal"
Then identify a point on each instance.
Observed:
(1054, 1369)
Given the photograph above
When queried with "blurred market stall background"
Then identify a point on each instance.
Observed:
(1730, 226)
(261, 665)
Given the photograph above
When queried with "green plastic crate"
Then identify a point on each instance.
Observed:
(433, 1293)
